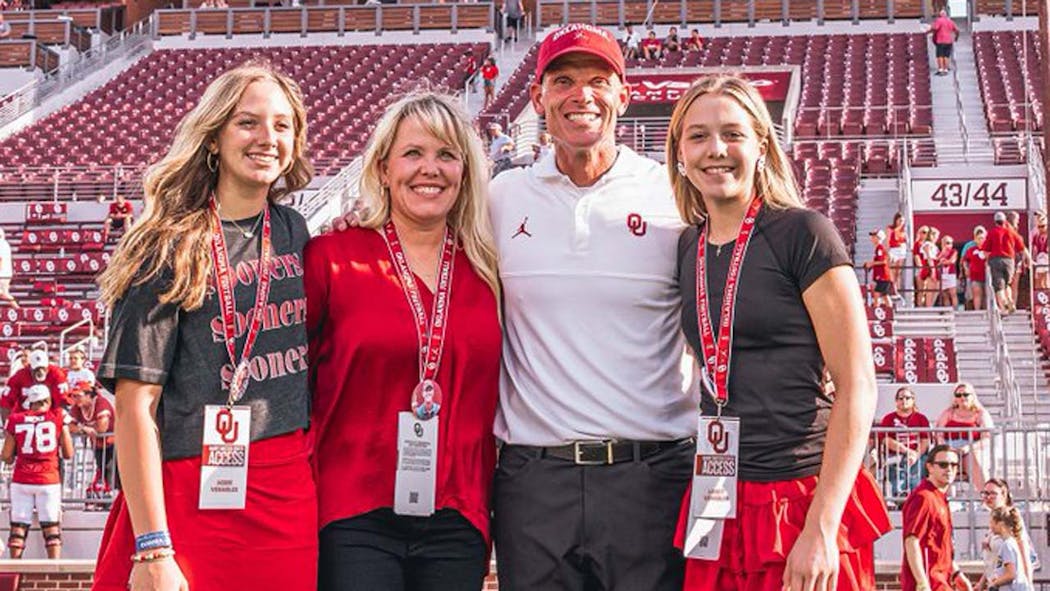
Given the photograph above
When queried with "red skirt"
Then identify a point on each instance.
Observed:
(270, 544)
(770, 517)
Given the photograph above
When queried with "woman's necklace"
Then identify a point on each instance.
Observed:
(248, 233)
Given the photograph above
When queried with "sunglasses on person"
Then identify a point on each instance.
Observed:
(946, 465)
(903, 397)
(963, 394)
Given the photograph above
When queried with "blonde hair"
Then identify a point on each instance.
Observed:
(444, 119)
(174, 232)
(975, 404)
(775, 182)
(1011, 518)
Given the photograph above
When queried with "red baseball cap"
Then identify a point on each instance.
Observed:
(580, 38)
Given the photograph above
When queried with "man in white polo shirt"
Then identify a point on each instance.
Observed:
(593, 415)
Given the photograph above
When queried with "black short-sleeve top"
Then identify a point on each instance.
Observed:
(776, 365)
(185, 352)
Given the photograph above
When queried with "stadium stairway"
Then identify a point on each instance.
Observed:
(947, 128)
(877, 201)
(973, 346)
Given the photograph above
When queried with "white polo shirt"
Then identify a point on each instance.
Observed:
(592, 342)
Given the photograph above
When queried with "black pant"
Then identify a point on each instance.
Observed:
(383, 551)
(563, 527)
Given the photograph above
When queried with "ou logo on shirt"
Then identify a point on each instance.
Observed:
(636, 224)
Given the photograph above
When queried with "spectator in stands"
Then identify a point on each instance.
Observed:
(514, 11)
(504, 160)
(1013, 571)
(967, 411)
(921, 234)
(631, 43)
(7, 271)
(365, 360)
(1022, 258)
(497, 142)
(694, 42)
(1041, 252)
(929, 562)
(652, 48)
(880, 269)
(897, 249)
(546, 144)
(93, 416)
(1001, 246)
(39, 371)
(802, 473)
(5, 27)
(672, 42)
(975, 268)
(929, 271)
(119, 217)
(175, 363)
(489, 73)
(996, 495)
(945, 34)
(77, 371)
(470, 70)
(948, 264)
(35, 438)
(905, 452)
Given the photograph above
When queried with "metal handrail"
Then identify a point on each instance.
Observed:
(959, 108)
(62, 338)
(341, 187)
(128, 43)
(1007, 388)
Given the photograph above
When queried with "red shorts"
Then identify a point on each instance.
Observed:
(271, 544)
(770, 517)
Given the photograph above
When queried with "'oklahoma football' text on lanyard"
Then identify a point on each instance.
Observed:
(227, 428)
(713, 498)
(417, 434)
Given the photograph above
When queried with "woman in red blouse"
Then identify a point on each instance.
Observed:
(404, 361)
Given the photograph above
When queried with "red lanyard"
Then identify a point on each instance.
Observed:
(228, 305)
(717, 354)
(431, 333)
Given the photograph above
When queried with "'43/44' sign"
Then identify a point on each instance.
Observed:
(969, 194)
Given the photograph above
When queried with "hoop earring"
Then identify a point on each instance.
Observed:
(211, 161)
(681, 168)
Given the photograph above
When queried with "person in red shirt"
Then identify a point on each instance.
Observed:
(39, 371)
(470, 70)
(119, 217)
(694, 42)
(1041, 253)
(35, 438)
(947, 263)
(489, 73)
(880, 269)
(897, 243)
(945, 34)
(417, 274)
(927, 529)
(652, 47)
(1001, 246)
(904, 452)
(93, 414)
(974, 264)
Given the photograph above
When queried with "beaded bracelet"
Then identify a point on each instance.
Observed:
(152, 540)
(152, 555)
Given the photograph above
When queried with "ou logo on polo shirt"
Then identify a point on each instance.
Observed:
(636, 224)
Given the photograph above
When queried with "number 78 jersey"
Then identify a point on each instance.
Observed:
(38, 437)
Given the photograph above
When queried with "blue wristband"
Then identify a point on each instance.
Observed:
(152, 541)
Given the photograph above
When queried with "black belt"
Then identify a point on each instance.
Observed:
(610, 451)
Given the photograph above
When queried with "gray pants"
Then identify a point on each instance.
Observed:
(1000, 272)
(563, 527)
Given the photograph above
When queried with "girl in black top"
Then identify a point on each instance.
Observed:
(804, 517)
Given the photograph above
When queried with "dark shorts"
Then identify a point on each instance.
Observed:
(883, 287)
(488, 83)
(1000, 271)
(944, 50)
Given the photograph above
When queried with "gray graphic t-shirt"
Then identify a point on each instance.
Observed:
(185, 352)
